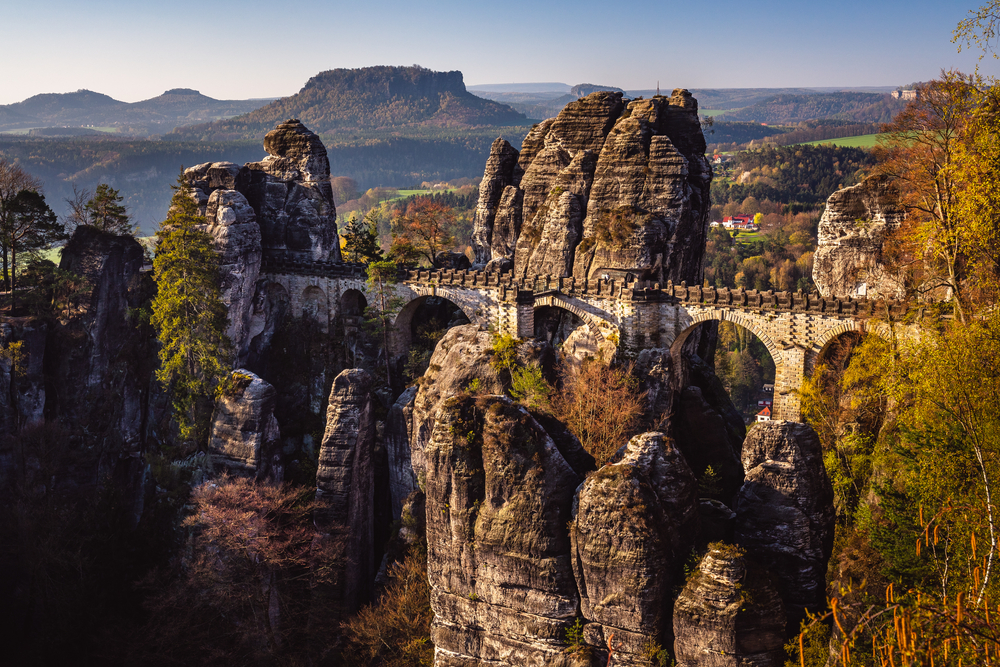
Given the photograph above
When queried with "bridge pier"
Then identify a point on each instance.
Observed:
(790, 370)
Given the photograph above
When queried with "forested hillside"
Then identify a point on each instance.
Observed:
(862, 107)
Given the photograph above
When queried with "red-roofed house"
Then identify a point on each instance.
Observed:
(764, 415)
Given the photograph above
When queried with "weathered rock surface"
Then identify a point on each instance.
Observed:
(852, 233)
(728, 615)
(245, 438)
(460, 358)
(499, 495)
(607, 187)
(634, 523)
(498, 176)
(784, 512)
(22, 389)
(397, 435)
(290, 191)
(345, 484)
(235, 233)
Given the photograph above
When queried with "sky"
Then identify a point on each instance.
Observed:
(238, 50)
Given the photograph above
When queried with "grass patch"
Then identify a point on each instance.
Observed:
(862, 141)
(711, 113)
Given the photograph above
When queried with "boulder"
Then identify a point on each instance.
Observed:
(728, 615)
(245, 438)
(852, 234)
(345, 487)
(784, 512)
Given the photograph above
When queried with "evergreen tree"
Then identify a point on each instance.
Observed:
(29, 227)
(384, 306)
(189, 316)
(105, 211)
(361, 239)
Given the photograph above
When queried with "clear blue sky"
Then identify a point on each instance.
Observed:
(235, 50)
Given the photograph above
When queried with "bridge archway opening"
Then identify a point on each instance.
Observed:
(418, 328)
(353, 303)
(575, 339)
(742, 360)
(840, 405)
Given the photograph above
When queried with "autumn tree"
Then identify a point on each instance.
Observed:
(602, 406)
(922, 152)
(424, 228)
(188, 314)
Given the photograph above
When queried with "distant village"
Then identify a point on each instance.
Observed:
(739, 223)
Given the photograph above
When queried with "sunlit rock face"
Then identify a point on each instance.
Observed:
(608, 187)
(857, 222)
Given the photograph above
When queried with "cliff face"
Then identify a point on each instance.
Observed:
(608, 187)
(853, 231)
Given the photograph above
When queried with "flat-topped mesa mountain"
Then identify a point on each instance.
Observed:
(610, 187)
(369, 98)
(179, 106)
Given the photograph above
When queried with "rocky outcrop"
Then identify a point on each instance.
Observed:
(397, 436)
(728, 615)
(498, 176)
(499, 495)
(245, 438)
(853, 231)
(784, 512)
(291, 193)
(345, 488)
(22, 379)
(608, 187)
(460, 358)
(634, 523)
(235, 233)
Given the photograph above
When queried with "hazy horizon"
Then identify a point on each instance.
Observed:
(136, 52)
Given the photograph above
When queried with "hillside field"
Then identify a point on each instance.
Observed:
(863, 141)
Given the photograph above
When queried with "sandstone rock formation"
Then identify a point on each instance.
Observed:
(345, 483)
(499, 495)
(461, 357)
(232, 224)
(290, 191)
(634, 523)
(397, 435)
(852, 233)
(245, 435)
(728, 615)
(608, 187)
(784, 512)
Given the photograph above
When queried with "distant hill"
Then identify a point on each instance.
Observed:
(158, 115)
(368, 99)
(785, 108)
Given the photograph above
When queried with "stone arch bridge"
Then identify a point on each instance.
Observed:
(796, 328)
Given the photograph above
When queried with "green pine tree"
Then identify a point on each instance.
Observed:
(189, 316)
(105, 211)
(361, 239)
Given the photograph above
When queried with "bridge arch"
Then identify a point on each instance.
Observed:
(404, 322)
(735, 317)
(599, 325)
